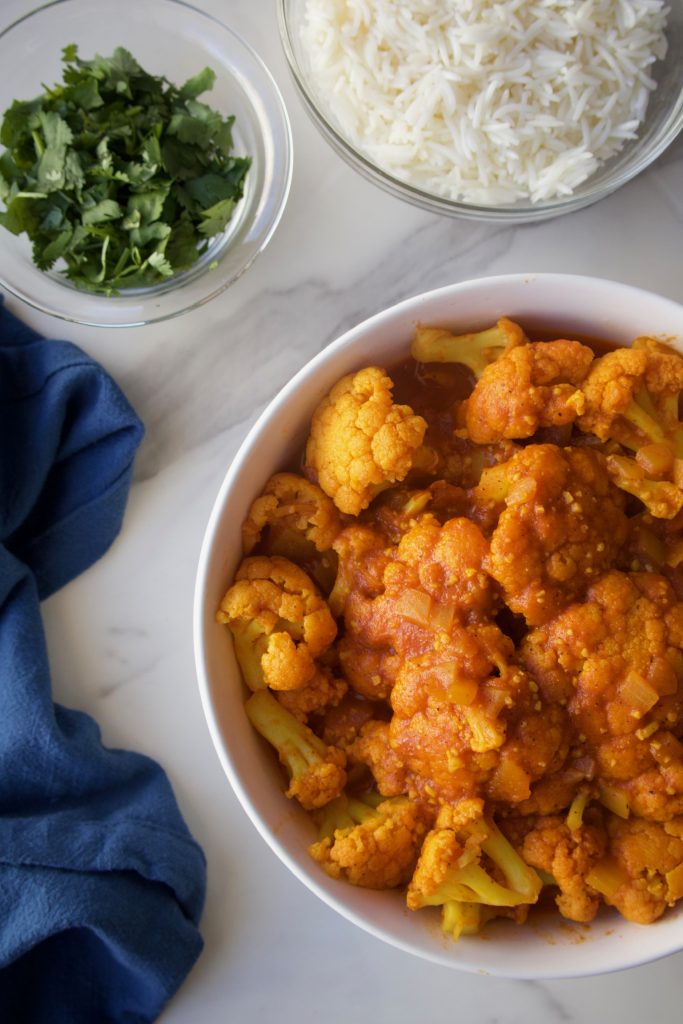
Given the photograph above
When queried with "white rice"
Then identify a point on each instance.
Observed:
(486, 101)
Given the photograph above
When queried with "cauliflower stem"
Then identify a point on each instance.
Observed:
(654, 422)
(473, 884)
(316, 770)
(450, 874)
(475, 350)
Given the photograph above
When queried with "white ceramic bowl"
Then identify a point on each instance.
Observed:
(565, 303)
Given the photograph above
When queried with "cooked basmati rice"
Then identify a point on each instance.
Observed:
(486, 101)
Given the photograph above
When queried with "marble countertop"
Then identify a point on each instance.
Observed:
(120, 636)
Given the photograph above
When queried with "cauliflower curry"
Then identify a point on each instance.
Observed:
(462, 626)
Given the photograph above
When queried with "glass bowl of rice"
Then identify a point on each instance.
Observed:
(515, 111)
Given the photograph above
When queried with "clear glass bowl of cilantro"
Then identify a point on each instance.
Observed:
(147, 178)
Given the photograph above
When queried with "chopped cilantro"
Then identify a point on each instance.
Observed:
(120, 174)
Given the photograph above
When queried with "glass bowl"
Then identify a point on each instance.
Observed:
(173, 39)
(663, 122)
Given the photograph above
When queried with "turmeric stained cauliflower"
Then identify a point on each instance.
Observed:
(316, 770)
(294, 519)
(615, 660)
(291, 504)
(321, 692)
(490, 700)
(530, 386)
(562, 525)
(376, 848)
(279, 622)
(398, 598)
(360, 441)
(568, 856)
(365, 651)
(475, 350)
(472, 871)
(644, 872)
(631, 396)
(342, 723)
(372, 747)
(468, 721)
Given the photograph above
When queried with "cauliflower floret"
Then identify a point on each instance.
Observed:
(321, 692)
(398, 598)
(360, 441)
(459, 868)
(373, 749)
(376, 848)
(370, 670)
(316, 770)
(475, 350)
(632, 397)
(569, 855)
(615, 661)
(363, 554)
(643, 873)
(279, 622)
(365, 653)
(562, 526)
(398, 510)
(467, 721)
(291, 504)
(528, 387)
(294, 519)
(661, 498)
(445, 561)
(341, 725)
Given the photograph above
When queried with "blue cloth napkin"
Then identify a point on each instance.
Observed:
(101, 884)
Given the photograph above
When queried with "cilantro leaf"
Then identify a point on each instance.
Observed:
(118, 176)
(214, 219)
(202, 82)
(107, 209)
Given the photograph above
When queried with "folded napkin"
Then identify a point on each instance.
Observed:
(101, 884)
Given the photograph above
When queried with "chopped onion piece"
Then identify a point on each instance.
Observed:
(607, 877)
(496, 699)
(614, 800)
(637, 693)
(416, 606)
(510, 782)
(441, 616)
(462, 691)
(459, 690)
(661, 675)
(494, 484)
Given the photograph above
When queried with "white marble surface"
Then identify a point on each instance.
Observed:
(120, 636)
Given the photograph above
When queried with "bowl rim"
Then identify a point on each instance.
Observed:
(432, 202)
(283, 182)
(200, 611)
